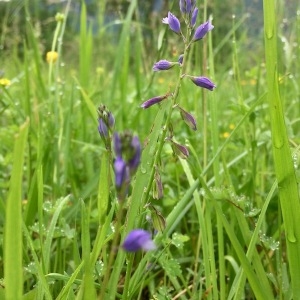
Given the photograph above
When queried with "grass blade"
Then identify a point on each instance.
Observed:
(13, 268)
(284, 167)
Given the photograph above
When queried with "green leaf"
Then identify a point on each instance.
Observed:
(171, 266)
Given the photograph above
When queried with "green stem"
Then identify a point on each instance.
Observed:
(167, 123)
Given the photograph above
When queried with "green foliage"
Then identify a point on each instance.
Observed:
(227, 224)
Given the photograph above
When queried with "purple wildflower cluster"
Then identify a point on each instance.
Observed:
(189, 12)
(127, 150)
(127, 147)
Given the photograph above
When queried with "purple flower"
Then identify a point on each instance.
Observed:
(194, 16)
(173, 22)
(203, 82)
(154, 100)
(202, 30)
(163, 65)
(121, 172)
(188, 118)
(138, 239)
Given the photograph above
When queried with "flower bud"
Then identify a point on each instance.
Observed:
(154, 100)
(179, 150)
(188, 118)
(194, 16)
(163, 65)
(202, 81)
(173, 22)
(202, 30)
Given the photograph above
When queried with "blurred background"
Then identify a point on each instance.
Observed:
(106, 18)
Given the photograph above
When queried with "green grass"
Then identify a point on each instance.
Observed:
(228, 219)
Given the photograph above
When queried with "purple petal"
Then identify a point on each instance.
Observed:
(154, 100)
(178, 149)
(202, 30)
(162, 65)
(188, 118)
(203, 82)
(121, 175)
(138, 239)
(102, 128)
(173, 22)
(182, 6)
(111, 121)
(194, 16)
(188, 6)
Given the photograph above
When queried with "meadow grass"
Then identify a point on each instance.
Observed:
(227, 225)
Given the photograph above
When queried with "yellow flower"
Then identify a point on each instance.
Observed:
(225, 135)
(4, 82)
(51, 56)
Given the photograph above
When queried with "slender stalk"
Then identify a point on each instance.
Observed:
(168, 121)
(284, 168)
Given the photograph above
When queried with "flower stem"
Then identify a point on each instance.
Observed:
(167, 123)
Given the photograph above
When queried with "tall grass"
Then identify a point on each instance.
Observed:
(229, 214)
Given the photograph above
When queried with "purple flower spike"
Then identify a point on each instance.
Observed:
(163, 65)
(188, 118)
(173, 22)
(194, 16)
(203, 82)
(202, 30)
(138, 239)
(154, 100)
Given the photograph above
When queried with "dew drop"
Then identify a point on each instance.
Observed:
(143, 170)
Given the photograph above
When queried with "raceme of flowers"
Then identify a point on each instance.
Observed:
(189, 13)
